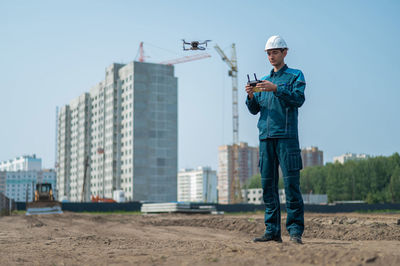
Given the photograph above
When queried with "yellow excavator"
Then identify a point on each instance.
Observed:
(44, 202)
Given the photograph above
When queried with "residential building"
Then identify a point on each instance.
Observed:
(350, 156)
(126, 127)
(197, 185)
(3, 182)
(20, 185)
(22, 163)
(79, 146)
(248, 161)
(63, 165)
(312, 156)
(248, 166)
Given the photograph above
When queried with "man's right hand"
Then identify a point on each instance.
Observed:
(249, 90)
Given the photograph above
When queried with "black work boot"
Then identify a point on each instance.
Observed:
(296, 239)
(266, 238)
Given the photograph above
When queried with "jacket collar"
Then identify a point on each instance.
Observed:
(279, 72)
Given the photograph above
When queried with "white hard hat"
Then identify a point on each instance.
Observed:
(275, 42)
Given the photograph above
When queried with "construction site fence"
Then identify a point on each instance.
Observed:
(228, 208)
(6, 205)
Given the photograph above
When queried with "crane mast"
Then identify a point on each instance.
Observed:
(235, 195)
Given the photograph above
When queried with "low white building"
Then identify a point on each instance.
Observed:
(307, 198)
(21, 184)
(22, 163)
(197, 185)
(253, 195)
(350, 156)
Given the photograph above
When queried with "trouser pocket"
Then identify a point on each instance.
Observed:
(294, 160)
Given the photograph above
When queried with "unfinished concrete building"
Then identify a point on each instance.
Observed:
(312, 156)
(248, 166)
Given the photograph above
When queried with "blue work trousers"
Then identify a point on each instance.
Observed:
(286, 153)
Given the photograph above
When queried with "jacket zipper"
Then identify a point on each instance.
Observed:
(269, 104)
(286, 122)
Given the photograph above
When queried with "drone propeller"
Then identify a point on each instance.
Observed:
(185, 42)
(206, 41)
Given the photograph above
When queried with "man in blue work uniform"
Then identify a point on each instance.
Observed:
(279, 96)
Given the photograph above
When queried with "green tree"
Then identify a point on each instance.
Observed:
(394, 186)
(369, 180)
(374, 180)
(254, 182)
(313, 179)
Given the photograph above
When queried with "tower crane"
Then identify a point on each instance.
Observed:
(235, 195)
(185, 59)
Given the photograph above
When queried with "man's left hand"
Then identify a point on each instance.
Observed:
(266, 85)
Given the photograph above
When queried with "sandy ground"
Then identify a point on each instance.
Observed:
(171, 239)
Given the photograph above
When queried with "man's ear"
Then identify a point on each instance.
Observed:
(285, 52)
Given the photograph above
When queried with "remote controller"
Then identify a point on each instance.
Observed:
(253, 83)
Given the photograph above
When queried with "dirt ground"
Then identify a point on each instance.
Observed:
(178, 239)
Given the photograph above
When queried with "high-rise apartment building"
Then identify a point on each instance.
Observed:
(197, 185)
(248, 166)
(248, 162)
(3, 175)
(22, 163)
(63, 151)
(312, 156)
(80, 144)
(127, 128)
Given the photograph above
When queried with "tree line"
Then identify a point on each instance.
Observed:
(374, 180)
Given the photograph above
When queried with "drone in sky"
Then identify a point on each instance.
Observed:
(194, 45)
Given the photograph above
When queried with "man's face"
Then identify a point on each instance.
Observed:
(276, 56)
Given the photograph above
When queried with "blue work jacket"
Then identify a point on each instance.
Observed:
(279, 110)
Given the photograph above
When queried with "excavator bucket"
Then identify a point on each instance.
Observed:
(51, 207)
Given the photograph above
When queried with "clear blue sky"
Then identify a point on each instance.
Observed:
(53, 51)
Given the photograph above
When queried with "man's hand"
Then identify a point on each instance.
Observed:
(249, 90)
(266, 85)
